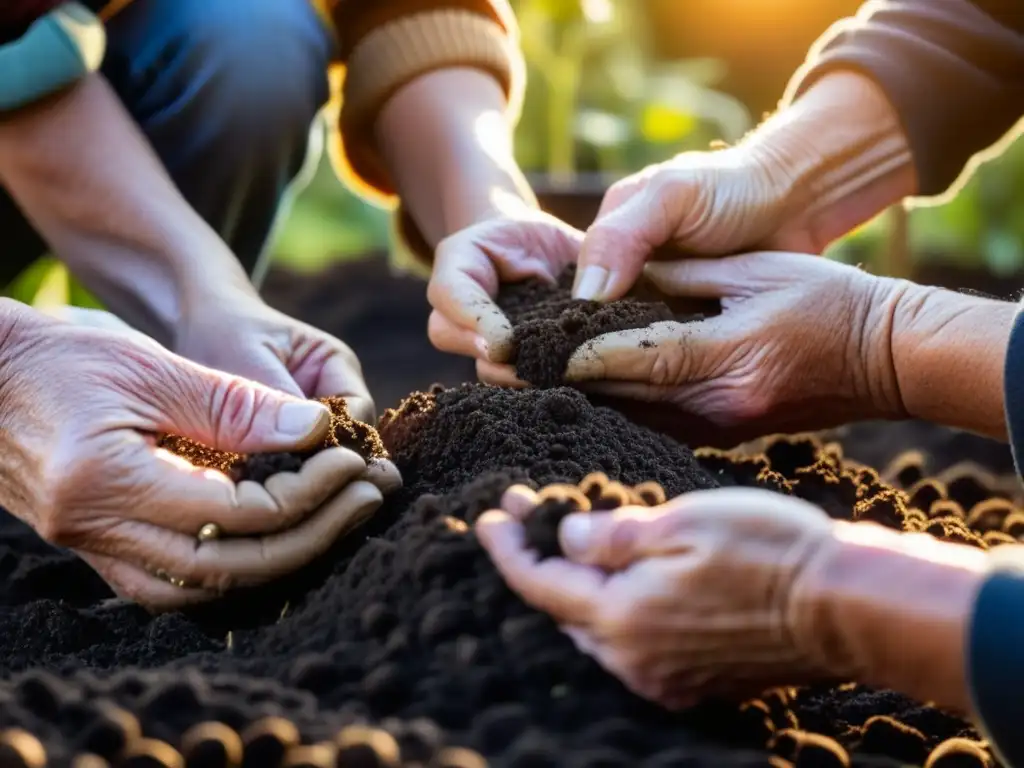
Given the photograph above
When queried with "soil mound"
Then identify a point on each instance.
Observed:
(409, 628)
(548, 325)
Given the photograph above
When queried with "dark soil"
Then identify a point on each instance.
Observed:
(548, 325)
(345, 432)
(409, 627)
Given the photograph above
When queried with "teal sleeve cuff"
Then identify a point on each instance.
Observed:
(57, 51)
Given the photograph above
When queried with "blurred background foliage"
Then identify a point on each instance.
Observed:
(618, 84)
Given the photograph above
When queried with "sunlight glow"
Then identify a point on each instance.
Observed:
(598, 11)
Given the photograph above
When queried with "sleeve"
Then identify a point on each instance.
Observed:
(995, 664)
(1013, 389)
(56, 50)
(951, 68)
(385, 44)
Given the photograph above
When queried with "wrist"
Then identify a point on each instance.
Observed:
(873, 588)
(948, 355)
(446, 139)
(838, 155)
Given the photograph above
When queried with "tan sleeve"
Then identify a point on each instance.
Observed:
(385, 44)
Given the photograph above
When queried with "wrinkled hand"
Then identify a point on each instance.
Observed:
(238, 333)
(700, 203)
(694, 598)
(81, 409)
(469, 267)
(801, 343)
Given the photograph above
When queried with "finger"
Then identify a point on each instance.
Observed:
(499, 375)
(384, 475)
(611, 541)
(617, 246)
(224, 564)
(341, 375)
(454, 339)
(220, 410)
(730, 276)
(254, 562)
(568, 592)
(614, 540)
(184, 498)
(264, 367)
(362, 409)
(662, 354)
(622, 191)
(130, 582)
(461, 288)
(519, 501)
(295, 495)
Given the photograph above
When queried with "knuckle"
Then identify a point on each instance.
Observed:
(438, 294)
(616, 619)
(233, 408)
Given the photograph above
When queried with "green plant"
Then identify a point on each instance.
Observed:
(597, 98)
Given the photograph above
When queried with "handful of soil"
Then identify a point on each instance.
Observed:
(548, 325)
(594, 493)
(345, 432)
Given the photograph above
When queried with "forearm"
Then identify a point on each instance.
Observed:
(949, 69)
(840, 156)
(87, 179)
(948, 355)
(873, 589)
(447, 141)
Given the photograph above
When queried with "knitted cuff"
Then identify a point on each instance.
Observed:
(395, 54)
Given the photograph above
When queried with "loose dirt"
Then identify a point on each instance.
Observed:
(408, 627)
(548, 325)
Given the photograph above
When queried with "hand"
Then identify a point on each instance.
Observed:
(82, 407)
(236, 332)
(702, 203)
(469, 268)
(734, 590)
(801, 343)
(689, 599)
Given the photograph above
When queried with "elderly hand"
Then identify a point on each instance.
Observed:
(82, 407)
(730, 591)
(689, 599)
(700, 203)
(795, 332)
(469, 267)
(235, 331)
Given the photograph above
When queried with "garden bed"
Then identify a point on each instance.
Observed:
(403, 645)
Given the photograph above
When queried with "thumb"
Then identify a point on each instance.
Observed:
(608, 540)
(617, 246)
(230, 413)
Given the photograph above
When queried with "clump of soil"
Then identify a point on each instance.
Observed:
(410, 628)
(345, 432)
(594, 493)
(548, 325)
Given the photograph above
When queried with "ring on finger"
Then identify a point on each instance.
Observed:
(173, 581)
(209, 532)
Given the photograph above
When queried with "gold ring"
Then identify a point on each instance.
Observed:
(167, 578)
(209, 532)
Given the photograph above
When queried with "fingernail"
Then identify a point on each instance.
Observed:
(575, 533)
(591, 284)
(302, 419)
(483, 347)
